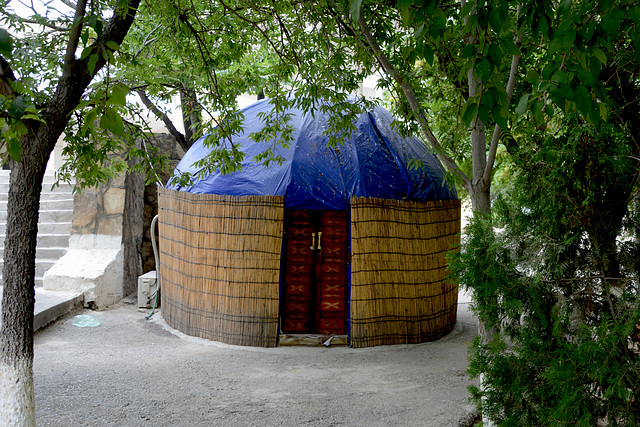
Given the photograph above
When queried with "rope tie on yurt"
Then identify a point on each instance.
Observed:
(155, 255)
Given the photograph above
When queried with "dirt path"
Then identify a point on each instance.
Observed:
(134, 372)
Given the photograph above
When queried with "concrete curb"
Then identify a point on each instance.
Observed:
(51, 306)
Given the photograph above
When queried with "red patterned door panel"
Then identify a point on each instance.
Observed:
(315, 272)
(297, 313)
(332, 278)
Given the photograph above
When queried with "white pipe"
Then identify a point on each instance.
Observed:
(155, 255)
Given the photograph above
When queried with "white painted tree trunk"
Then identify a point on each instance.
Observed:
(17, 407)
(23, 203)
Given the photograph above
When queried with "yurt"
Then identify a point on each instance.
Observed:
(344, 241)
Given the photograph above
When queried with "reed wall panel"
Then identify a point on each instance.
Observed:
(220, 265)
(398, 268)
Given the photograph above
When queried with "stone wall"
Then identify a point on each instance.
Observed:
(106, 249)
(93, 264)
(100, 211)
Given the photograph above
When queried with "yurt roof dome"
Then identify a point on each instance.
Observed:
(371, 162)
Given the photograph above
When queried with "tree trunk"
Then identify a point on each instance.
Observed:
(191, 114)
(18, 298)
(132, 227)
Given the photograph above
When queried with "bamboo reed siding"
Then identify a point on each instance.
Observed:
(398, 267)
(220, 265)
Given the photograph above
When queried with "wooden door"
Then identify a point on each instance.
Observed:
(315, 272)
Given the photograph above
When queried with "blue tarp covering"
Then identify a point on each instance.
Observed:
(371, 163)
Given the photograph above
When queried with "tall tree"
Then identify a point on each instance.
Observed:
(32, 127)
(561, 278)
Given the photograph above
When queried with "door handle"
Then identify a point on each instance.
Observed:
(313, 241)
(320, 240)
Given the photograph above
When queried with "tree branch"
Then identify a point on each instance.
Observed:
(76, 76)
(49, 25)
(410, 95)
(74, 35)
(147, 41)
(191, 113)
(162, 116)
(72, 5)
(493, 149)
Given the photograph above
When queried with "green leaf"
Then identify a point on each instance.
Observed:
(522, 104)
(470, 112)
(469, 51)
(603, 111)
(6, 44)
(594, 115)
(84, 36)
(585, 77)
(500, 116)
(467, 9)
(14, 148)
(495, 55)
(18, 105)
(532, 77)
(119, 94)
(86, 52)
(112, 45)
(496, 20)
(484, 113)
(483, 68)
(583, 99)
(405, 11)
(91, 21)
(112, 122)
(602, 57)
(89, 121)
(91, 65)
(487, 99)
(427, 52)
(32, 116)
(95, 22)
(568, 39)
(536, 109)
(354, 9)
(595, 67)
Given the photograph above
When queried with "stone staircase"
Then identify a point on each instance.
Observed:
(54, 226)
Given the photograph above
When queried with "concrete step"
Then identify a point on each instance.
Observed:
(43, 253)
(44, 228)
(42, 265)
(44, 197)
(47, 204)
(53, 240)
(55, 215)
(54, 226)
(47, 241)
(47, 181)
(47, 185)
(60, 215)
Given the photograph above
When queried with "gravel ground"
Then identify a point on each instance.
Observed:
(133, 372)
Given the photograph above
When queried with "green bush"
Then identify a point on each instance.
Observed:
(555, 270)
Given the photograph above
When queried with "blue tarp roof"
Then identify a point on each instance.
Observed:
(372, 162)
